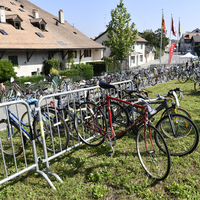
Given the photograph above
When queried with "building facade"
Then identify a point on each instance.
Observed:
(29, 36)
(136, 58)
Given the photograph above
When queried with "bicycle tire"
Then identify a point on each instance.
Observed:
(197, 85)
(90, 129)
(7, 141)
(8, 94)
(187, 134)
(55, 130)
(182, 78)
(179, 110)
(156, 162)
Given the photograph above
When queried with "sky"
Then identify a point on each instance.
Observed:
(91, 16)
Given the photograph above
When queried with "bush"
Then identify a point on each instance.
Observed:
(85, 70)
(54, 72)
(6, 69)
(79, 72)
(52, 63)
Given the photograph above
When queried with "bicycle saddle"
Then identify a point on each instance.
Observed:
(105, 85)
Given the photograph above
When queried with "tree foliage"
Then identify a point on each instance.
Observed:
(154, 38)
(121, 34)
(6, 69)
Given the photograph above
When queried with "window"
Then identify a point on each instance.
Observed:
(39, 34)
(141, 46)
(132, 59)
(141, 58)
(133, 47)
(87, 53)
(21, 10)
(17, 25)
(75, 53)
(3, 32)
(14, 59)
(12, 3)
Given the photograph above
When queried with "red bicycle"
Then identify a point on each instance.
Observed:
(108, 121)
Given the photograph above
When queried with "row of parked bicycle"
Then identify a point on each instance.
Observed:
(104, 115)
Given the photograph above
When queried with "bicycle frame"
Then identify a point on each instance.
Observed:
(144, 119)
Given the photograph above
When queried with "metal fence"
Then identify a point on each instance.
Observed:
(34, 135)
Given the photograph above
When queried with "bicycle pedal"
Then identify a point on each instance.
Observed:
(110, 154)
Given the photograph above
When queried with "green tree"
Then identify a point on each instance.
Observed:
(153, 38)
(6, 69)
(121, 34)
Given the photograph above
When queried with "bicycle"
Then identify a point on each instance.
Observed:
(93, 130)
(16, 91)
(179, 131)
(15, 134)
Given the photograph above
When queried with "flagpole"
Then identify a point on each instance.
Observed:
(177, 45)
(161, 39)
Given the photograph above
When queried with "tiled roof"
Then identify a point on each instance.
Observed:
(190, 35)
(139, 39)
(196, 38)
(57, 36)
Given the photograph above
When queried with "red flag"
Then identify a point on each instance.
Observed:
(163, 23)
(171, 52)
(173, 28)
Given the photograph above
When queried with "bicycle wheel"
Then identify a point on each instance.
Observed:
(182, 78)
(155, 161)
(185, 137)
(177, 110)
(11, 134)
(90, 124)
(8, 94)
(54, 128)
(197, 85)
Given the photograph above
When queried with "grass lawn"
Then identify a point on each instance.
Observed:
(87, 173)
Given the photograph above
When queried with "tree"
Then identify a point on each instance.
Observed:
(121, 36)
(153, 38)
(6, 69)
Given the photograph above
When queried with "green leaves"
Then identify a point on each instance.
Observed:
(121, 35)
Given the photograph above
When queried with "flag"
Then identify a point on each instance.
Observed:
(173, 28)
(179, 29)
(163, 23)
(171, 51)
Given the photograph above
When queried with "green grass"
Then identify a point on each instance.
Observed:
(87, 173)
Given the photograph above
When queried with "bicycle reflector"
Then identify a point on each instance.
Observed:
(52, 104)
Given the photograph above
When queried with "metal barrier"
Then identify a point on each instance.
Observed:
(17, 156)
(51, 123)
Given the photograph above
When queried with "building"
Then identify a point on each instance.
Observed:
(136, 58)
(29, 35)
(186, 40)
(149, 53)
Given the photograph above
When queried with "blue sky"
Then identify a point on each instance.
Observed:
(90, 16)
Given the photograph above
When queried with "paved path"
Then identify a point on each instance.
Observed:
(164, 60)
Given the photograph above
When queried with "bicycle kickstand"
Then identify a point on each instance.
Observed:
(110, 141)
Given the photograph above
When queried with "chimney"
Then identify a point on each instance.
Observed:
(2, 14)
(61, 16)
(35, 13)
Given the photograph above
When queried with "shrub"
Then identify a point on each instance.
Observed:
(52, 63)
(54, 72)
(6, 69)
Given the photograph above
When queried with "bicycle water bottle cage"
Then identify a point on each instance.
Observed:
(105, 85)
